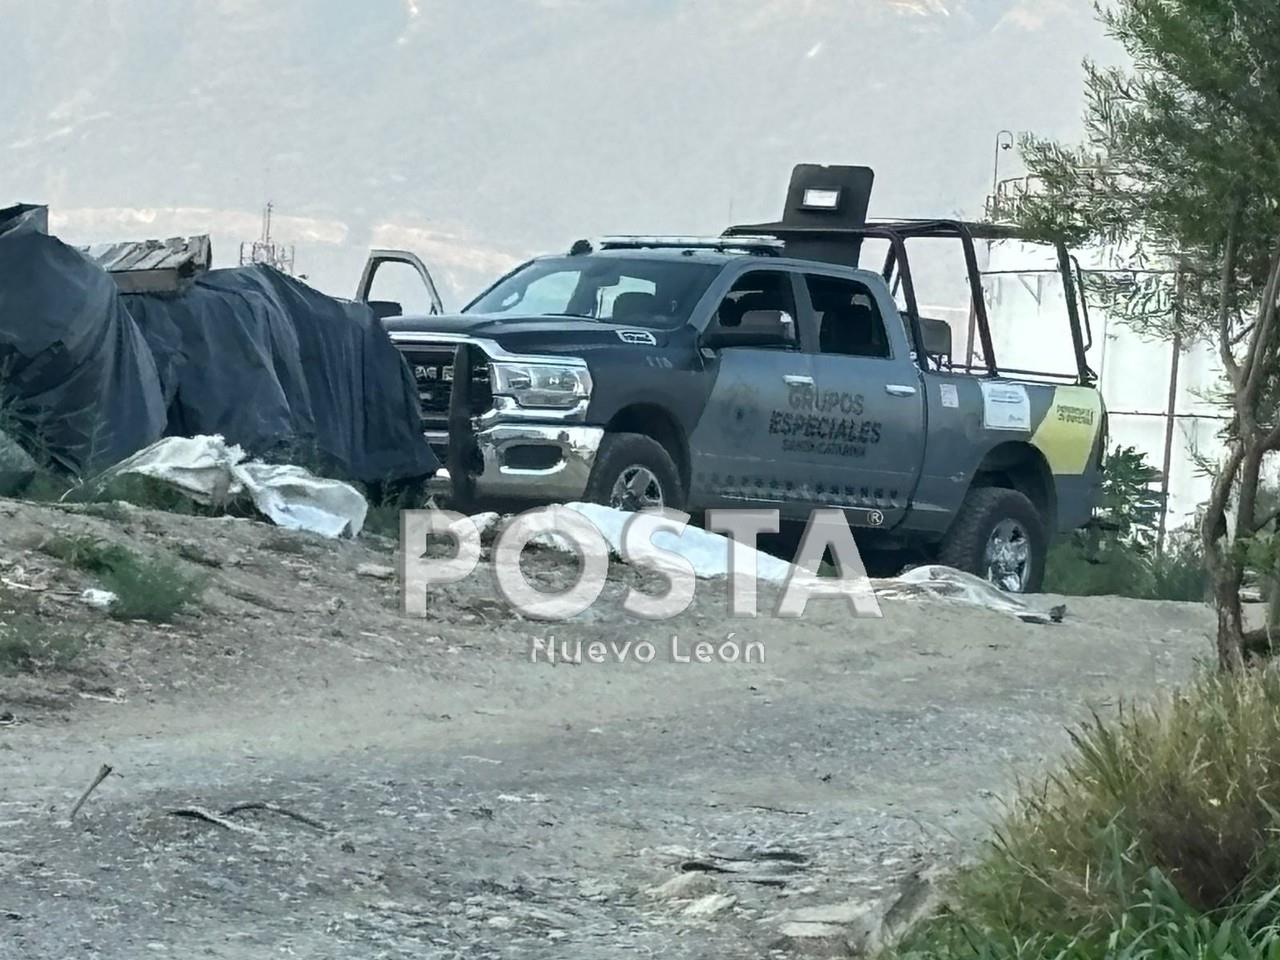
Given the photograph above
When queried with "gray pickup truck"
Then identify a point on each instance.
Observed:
(765, 368)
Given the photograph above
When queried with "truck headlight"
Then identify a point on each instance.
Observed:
(552, 385)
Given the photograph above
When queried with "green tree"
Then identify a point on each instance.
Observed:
(1179, 172)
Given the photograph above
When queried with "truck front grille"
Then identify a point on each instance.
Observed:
(432, 365)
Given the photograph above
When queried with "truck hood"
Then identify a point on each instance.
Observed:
(533, 334)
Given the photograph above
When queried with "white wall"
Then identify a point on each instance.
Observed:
(1029, 329)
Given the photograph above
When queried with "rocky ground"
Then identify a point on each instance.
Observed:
(422, 789)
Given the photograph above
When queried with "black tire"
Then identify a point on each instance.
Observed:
(620, 453)
(983, 510)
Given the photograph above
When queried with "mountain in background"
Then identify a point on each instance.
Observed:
(478, 132)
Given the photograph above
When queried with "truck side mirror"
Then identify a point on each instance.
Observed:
(757, 328)
(382, 309)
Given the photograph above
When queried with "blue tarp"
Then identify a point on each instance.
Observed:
(78, 385)
(286, 372)
(88, 376)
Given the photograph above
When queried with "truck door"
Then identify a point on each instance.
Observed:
(740, 448)
(869, 402)
(408, 284)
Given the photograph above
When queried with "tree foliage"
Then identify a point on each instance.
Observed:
(1179, 174)
(1119, 555)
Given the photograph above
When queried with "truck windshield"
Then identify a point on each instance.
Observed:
(658, 293)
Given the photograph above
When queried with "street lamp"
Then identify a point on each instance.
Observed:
(1004, 141)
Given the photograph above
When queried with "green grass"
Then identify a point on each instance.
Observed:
(143, 492)
(1124, 570)
(28, 644)
(154, 588)
(86, 552)
(1160, 925)
(151, 588)
(1156, 838)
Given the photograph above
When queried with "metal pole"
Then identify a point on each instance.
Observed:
(1171, 415)
(1004, 141)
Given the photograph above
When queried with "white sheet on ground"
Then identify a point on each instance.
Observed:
(707, 552)
(947, 583)
(211, 471)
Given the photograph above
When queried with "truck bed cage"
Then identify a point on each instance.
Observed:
(841, 243)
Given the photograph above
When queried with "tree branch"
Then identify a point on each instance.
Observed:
(1225, 284)
(1269, 516)
(1259, 345)
(1213, 525)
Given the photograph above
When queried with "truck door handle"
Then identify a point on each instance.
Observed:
(797, 380)
(899, 390)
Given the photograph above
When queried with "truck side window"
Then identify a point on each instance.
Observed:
(761, 300)
(849, 322)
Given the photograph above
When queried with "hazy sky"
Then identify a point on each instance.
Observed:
(481, 131)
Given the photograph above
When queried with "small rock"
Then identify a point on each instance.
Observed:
(847, 912)
(920, 895)
(99, 599)
(710, 905)
(684, 886)
(336, 604)
(858, 925)
(375, 571)
(814, 940)
(190, 550)
(812, 931)
(501, 923)
(598, 889)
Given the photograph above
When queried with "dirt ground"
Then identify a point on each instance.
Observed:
(462, 801)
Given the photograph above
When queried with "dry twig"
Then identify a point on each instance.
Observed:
(276, 808)
(103, 772)
(200, 813)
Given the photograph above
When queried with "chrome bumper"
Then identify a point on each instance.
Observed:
(566, 480)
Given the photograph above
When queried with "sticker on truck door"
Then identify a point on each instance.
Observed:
(1067, 433)
(1005, 406)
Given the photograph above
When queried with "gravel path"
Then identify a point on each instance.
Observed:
(469, 803)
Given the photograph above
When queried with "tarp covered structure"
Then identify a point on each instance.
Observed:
(284, 371)
(89, 376)
(77, 380)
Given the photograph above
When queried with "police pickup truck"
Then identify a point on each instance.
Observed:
(765, 368)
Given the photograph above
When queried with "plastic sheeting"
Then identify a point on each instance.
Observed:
(708, 553)
(286, 372)
(936, 582)
(77, 380)
(211, 471)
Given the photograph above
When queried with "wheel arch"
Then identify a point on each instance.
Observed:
(1017, 465)
(660, 425)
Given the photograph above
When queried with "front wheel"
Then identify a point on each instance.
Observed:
(999, 536)
(633, 472)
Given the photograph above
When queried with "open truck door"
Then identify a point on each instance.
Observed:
(410, 264)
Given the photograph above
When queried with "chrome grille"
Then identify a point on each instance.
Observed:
(432, 368)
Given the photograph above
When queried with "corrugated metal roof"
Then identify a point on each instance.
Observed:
(152, 265)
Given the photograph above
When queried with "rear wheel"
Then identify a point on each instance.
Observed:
(999, 536)
(633, 472)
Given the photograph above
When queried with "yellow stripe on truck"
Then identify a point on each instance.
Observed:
(1068, 431)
